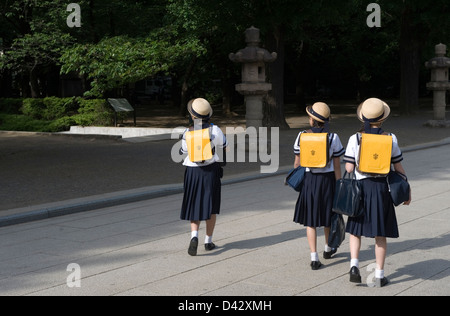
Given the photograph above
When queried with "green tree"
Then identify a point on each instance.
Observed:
(416, 28)
(33, 38)
(120, 60)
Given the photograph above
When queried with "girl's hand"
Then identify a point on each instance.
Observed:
(409, 201)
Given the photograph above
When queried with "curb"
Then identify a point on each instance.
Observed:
(120, 198)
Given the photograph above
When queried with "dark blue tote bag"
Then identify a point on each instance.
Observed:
(295, 178)
(398, 187)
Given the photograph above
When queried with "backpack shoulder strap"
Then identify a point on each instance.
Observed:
(358, 138)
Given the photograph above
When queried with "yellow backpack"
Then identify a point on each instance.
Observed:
(199, 145)
(375, 153)
(314, 150)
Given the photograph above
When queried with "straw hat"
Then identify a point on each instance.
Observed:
(373, 110)
(200, 108)
(319, 111)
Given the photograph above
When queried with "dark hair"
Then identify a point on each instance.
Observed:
(362, 129)
(204, 121)
(318, 124)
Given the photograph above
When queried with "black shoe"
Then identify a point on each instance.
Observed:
(193, 246)
(210, 246)
(315, 265)
(381, 282)
(355, 277)
(327, 255)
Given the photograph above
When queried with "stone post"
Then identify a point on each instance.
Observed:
(439, 84)
(254, 86)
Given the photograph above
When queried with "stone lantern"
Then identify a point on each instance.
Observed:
(439, 84)
(254, 86)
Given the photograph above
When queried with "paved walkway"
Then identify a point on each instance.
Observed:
(140, 248)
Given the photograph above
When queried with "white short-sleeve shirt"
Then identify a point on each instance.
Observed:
(352, 154)
(218, 140)
(336, 150)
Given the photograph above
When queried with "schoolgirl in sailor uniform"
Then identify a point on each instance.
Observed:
(379, 220)
(315, 201)
(202, 185)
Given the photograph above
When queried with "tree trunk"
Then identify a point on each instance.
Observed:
(274, 111)
(226, 97)
(92, 22)
(409, 64)
(34, 84)
(184, 86)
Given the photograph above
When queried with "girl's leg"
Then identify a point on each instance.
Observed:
(192, 250)
(195, 225)
(380, 255)
(380, 251)
(326, 231)
(210, 224)
(355, 246)
(311, 235)
(328, 251)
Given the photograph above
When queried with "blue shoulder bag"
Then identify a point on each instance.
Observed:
(295, 178)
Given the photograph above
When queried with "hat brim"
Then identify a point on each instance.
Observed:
(387, 111)
(308, 111)
(196, 115)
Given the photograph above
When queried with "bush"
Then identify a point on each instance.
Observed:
(12, 122)
(33, 108)
(49, 108)
(94, 112)
(10, 105)
(61, 124)
(53, 114)
(56, 108)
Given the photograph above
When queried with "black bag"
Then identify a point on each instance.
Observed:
(398, 187)
(295, 178)
(348, 197)
(337, 231)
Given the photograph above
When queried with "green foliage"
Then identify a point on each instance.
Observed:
(10, 105)
(120, 60)
(53, 114)
(33, 108)
(49, 108)
(10, 122)
(94, 112)
(35, 50)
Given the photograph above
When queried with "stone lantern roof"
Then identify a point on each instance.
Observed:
(253, 53)
(440, 61)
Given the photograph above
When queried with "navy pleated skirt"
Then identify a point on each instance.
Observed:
(202, 192)
(315, 201)
(379, 212)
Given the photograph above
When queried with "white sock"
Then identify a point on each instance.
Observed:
(314, 256)
(379, 274)
(328, 248)
(354, 263)
(208, 239)
(194, 234)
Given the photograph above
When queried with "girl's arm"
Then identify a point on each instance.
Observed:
(337, 168)
(349, 167)
(297, 161)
